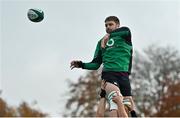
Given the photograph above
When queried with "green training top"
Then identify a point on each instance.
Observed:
(116, 56)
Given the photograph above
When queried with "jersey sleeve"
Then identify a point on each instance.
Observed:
(97, 59)
(127, 37)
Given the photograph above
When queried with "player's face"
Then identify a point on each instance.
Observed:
(110, 26)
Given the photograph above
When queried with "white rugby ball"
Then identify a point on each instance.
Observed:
(35, 15)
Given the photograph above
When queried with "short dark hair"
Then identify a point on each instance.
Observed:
(112, 18)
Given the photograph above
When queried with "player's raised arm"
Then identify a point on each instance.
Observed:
(94, 64)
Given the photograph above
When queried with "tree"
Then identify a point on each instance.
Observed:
(152, 73)
(24, 110)
(171, 101)
(5, 110)
(84, 95)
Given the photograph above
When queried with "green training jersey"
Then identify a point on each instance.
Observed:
(116, 56)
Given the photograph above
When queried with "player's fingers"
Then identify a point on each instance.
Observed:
(72, 62)
(102, 84)
(114, 99)
(119, 94)
(72, 67)
(105, 84)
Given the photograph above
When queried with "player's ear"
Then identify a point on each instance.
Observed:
(118, 25)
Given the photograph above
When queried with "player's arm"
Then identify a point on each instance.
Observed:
(101, 107)
(94, 64)
(102, 103)
(121, 110)
(127, 35)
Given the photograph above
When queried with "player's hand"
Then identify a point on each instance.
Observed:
(104, 40)
(118, 98)
(106, 36)
(103, 84)
(128, 104)
(76, 64)
(103, 92)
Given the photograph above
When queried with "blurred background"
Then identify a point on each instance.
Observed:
(35, 78)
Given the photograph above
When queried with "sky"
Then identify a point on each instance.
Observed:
(35, 57)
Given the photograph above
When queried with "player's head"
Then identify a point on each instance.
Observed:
(111, 23)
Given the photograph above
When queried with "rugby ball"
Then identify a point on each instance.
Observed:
(35, 15)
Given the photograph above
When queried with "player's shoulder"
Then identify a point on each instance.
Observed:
(124, 28)
(99, 41)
